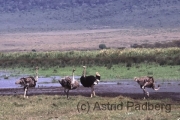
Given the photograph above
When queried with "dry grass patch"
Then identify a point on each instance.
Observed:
(58, 107)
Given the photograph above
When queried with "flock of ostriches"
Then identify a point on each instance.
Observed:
(70, 83)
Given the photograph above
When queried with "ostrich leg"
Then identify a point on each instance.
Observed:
(92, 91)
(65, 90)
(25, 91)
(145, 93)
(143, 87)
(68, 94)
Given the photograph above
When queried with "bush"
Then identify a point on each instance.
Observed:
(33, 50)
(102, 46)
(135, 46)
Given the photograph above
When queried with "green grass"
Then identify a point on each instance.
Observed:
(161, 56)
(109, 73)
(44, 107)
(112, 64)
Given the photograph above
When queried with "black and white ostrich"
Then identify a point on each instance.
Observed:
(146, 81)
(90, 81)
(69, 83)
(28, 82)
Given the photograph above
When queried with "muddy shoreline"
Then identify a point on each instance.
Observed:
(102, 90)
(124, 87)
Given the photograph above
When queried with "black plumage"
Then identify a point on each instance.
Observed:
(89, 81)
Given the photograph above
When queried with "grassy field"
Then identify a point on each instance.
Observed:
(43, 107)
(161, 56)
(114, 72)
(112, 64)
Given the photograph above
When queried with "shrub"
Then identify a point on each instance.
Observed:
(33, 50)
(102, 46)
(135, 46)
(128, 64)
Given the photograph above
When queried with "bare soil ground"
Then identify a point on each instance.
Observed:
(83, 39)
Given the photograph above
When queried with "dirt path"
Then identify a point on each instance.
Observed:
(83, 39)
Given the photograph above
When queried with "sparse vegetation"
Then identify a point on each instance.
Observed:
(174, 43)
(58, 107)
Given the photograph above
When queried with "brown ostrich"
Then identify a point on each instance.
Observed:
(69, 83)
(90, 81)
(148, 82)
(28, 82)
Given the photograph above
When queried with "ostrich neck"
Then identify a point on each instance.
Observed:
(36, 78)
(73, 80)
(84, 72)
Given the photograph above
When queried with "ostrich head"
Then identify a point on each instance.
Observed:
(61, 80)
(20, 81)
(98, 76)
(73, 80)
(136, 79)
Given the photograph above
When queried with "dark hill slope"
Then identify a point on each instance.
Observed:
(47, 15)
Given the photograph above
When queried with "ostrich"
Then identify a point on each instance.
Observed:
(89, 81)
(69, 83)
(28, 82)
(148, 82)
